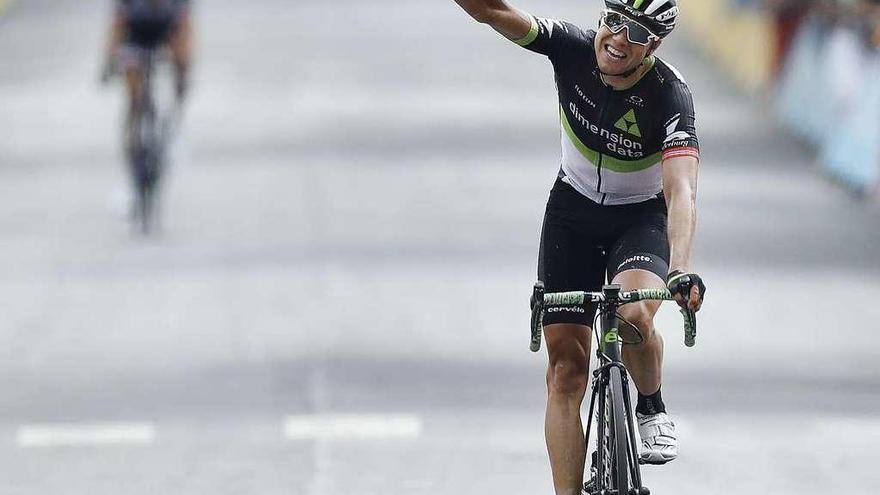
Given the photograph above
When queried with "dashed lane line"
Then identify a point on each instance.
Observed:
(58, 435)
(352, 426)
(295, 427)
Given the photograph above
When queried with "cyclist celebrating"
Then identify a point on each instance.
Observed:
(624, 204)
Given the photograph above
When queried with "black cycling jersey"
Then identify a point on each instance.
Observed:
(150, 22)
(613, 142)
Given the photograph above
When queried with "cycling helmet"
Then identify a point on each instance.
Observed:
(657, 15)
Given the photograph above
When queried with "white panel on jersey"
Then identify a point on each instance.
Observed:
(677, 136)
(672, 125)
(549, 23)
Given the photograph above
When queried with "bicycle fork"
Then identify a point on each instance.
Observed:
(599, 467)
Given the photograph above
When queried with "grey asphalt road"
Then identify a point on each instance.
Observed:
(337, 302)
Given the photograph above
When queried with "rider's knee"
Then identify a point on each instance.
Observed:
(182, 60)
(134, 82)
(181, 50)
(641, 316)
(567, 376)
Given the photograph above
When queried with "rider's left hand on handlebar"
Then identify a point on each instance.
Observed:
(688, 289)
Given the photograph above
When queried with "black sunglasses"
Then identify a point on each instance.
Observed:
(635, 32)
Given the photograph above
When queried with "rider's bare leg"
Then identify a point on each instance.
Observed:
(134, 83)
(180, 44)
(644, 360)
(568, 346)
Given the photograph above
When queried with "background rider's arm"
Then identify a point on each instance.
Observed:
(500, 15)
(117, 34)
(184, 35)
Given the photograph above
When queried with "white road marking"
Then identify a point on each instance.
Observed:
(55, 435)
(352, 426)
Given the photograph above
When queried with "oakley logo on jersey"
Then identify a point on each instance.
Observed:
(628, 123)
(617, 143)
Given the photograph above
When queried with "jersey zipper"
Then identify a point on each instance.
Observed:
(602, 155)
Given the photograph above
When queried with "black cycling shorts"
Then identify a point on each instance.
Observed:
(582, 242)
(151, 29)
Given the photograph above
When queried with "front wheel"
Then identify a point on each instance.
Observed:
(146, 167)
(619, 443)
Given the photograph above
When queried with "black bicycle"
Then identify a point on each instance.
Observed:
(614, 468)
(151, 133)
(147, 137)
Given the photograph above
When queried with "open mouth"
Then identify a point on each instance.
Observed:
(614, 52)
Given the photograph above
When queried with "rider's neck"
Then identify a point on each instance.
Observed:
(619, 83)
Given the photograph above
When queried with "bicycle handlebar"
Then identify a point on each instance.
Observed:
(581, 298)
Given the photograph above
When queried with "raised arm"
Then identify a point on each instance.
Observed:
(501, 16)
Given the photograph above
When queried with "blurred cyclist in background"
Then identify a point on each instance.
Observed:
(140, 26)
(141, 30)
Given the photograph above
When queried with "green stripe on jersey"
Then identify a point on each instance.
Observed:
(531, 36)
(611, 163)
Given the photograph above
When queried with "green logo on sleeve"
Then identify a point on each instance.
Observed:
(627, 123)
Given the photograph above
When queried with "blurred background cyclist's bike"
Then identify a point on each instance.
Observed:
(148, 135)
(614, 468)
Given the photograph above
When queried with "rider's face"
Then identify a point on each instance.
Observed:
(616, 55)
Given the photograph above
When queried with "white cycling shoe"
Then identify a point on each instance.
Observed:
(659, 443)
